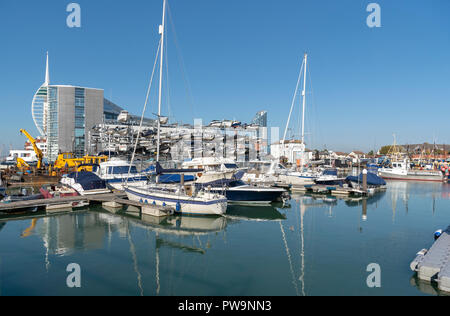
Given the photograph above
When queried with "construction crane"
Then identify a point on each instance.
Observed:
(36, 149)
(21, 164)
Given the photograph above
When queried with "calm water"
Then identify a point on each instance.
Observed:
(316, 246)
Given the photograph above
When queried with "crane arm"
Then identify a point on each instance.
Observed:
(36, 149)
(21, 163)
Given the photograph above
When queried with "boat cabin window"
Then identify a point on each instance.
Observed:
(231, 166)
(122, 170)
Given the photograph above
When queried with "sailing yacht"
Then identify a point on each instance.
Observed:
(184, 199)
(303, 177)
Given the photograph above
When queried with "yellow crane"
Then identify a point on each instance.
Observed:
(36, 149)
(21, 164)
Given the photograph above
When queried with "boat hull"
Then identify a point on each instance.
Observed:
(181, 204)
(412, 176)
(249, 195)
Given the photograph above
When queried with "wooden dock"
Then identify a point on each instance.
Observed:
(114, 200)
(329, 190)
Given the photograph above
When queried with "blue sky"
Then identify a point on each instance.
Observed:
(242, 56)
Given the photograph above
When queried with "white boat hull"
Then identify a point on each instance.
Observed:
(201, 205)
(412, 176)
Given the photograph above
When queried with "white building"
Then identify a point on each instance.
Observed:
(293, 150)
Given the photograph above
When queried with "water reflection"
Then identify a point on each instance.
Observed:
(426, 287)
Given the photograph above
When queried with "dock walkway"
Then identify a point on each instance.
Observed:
(116, 199)
(434, 265)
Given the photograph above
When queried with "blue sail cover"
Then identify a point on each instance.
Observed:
(372, 179)
(88, 180)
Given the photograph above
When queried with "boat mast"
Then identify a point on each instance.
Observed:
(162, 32)
(304, 104)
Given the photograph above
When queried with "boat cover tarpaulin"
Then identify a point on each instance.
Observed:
(372, 179)
(88, 180)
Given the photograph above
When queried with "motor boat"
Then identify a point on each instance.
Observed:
(116, 172)
(52, 192)
(238, 192)
(85, 183)
(214, 170)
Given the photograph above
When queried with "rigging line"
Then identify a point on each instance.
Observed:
(181, 62)
(294, 282)
(143, 112)
(293, 101)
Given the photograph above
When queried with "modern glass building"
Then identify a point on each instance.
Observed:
(260, 119)
(65, 115)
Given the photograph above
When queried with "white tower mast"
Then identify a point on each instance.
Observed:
(47, 74)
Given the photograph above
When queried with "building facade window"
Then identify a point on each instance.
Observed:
(52, 124)
(80, 122)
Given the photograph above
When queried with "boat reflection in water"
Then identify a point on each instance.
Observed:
(177, 224)
(258, 213)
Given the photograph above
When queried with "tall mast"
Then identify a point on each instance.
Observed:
(304, 101)
(162, 32)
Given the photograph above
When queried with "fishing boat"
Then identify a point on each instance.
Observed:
(402, 170)
(185, 199)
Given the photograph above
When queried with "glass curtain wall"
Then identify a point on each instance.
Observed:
(80, 122)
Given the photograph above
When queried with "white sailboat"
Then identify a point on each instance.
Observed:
(184, 199)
